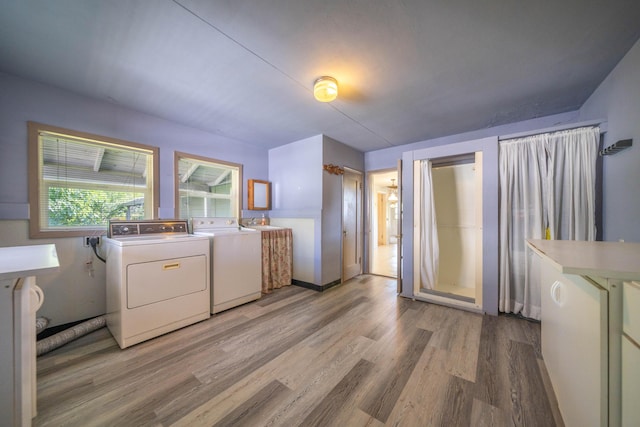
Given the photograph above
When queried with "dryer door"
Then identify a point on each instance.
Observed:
(151, 282)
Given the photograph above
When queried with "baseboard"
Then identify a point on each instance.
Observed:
(313, 286)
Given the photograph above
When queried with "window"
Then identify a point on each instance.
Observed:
(79, 181)
(207, 187)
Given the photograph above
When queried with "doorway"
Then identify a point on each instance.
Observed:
(449, 231)
(384, 216)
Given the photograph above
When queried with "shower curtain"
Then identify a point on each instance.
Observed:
(429, 252)
(547, 190)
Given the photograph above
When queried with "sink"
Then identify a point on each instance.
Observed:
(265, 227)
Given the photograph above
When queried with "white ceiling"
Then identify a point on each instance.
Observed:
(408, 70)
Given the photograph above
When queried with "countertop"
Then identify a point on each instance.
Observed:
(23, 261)
(614, 260)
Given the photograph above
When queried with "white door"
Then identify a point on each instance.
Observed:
(351, 224)
(399, 231)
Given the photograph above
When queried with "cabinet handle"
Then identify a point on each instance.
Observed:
(39, 298)
(556, 292)
(171, 266)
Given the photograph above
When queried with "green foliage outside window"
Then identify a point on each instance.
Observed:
(72, 206)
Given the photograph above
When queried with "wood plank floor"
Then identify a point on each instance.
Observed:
(354, 355)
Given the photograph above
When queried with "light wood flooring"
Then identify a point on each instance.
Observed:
(354, 355)
(384, 260)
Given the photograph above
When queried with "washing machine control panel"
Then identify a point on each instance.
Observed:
(119, 228)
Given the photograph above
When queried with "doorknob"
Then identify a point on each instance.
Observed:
(344, 232)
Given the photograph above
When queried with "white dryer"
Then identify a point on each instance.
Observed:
(157, 278)
(236, 261)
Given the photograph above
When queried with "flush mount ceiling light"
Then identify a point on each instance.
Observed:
(325, 89)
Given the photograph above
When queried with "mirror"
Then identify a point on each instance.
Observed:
(259, 195)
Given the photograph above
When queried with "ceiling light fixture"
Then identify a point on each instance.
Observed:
(393, 196)
(325, 89)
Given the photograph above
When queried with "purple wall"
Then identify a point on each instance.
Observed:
(387, 158)
(22, 100)
(303, 190)
(617, 100)
(295, 172)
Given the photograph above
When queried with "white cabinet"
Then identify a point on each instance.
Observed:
(18, 266)
(631, 354)
(582, 324)
(574, 345)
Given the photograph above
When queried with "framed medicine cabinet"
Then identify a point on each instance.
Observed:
(259, 195)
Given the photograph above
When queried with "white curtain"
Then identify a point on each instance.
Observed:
(547, 183)
(429, 252)
(572, 177)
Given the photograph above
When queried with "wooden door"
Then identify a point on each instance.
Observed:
(382, 219)
(352, 224)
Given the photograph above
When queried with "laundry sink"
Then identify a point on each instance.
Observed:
(265, 227)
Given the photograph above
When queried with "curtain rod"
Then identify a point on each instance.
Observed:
(566, 126)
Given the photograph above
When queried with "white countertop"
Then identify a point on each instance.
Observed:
(23, 261)
(613, 260)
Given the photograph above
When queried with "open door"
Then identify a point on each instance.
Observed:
(383, 218)
(381, 238)
(399, 231)
(351, 224)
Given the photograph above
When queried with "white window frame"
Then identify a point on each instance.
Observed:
(235, 196)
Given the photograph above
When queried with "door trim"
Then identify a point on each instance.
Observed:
(371, 237)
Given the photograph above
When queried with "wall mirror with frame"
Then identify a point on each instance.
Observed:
(259, 195)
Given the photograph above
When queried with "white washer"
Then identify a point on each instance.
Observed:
(236, 261)
(157, 279)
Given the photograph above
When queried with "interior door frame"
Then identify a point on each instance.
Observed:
(370, 238)
(490, 226)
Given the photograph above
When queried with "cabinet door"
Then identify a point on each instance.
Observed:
(631, 354)
(631, 310)
(630, 383)
(575, 345)
(24, 351)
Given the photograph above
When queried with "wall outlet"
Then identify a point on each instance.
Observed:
(87, 241)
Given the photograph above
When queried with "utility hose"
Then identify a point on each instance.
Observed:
(61, 338)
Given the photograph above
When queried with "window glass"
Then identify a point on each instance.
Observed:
(207, 187)
(82, 181)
